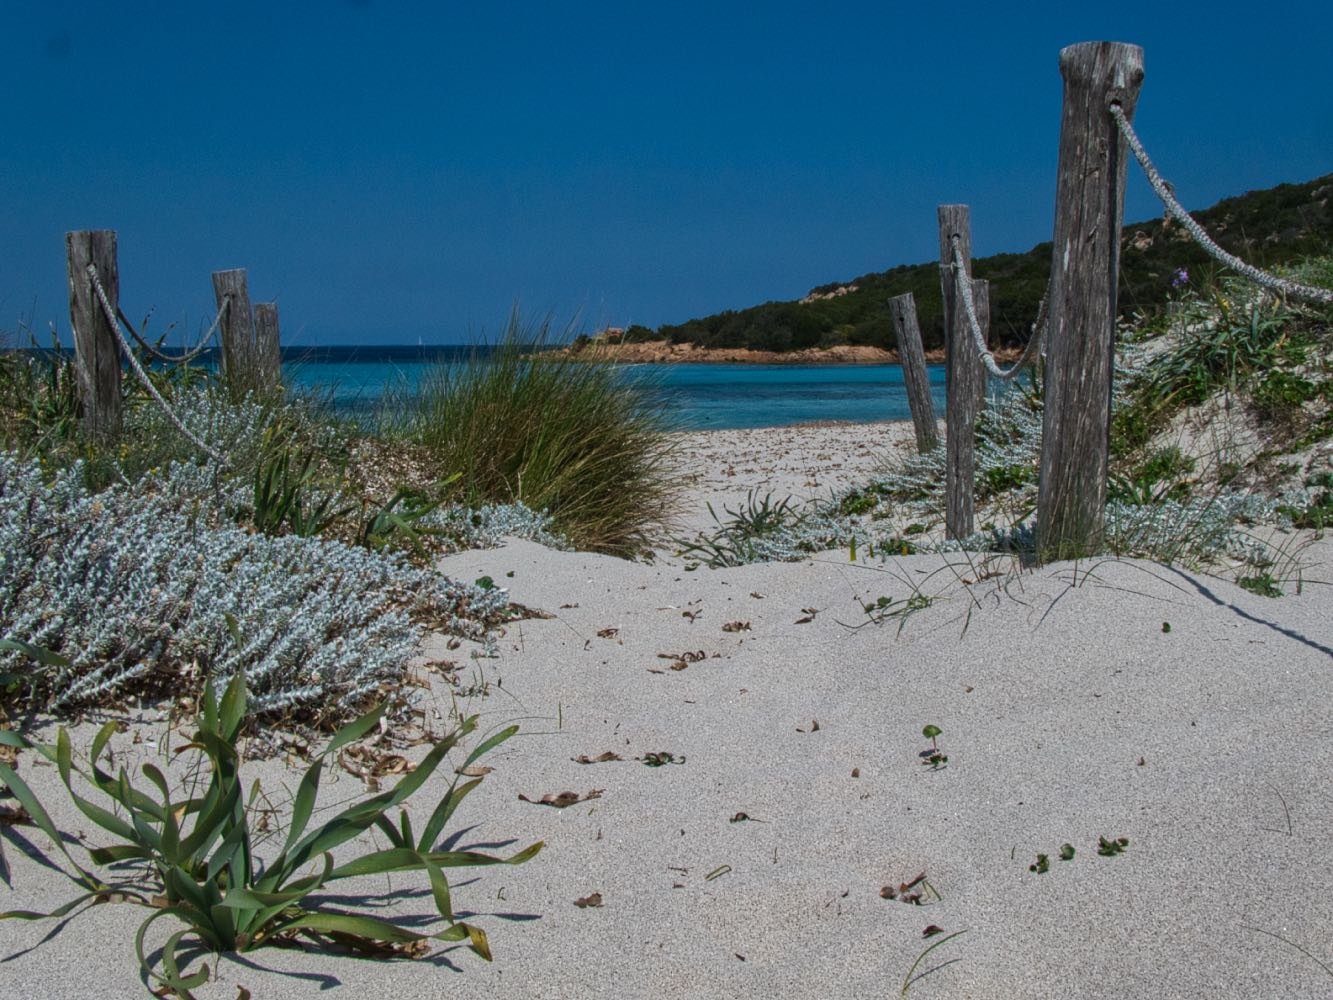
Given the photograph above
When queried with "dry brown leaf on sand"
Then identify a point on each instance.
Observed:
(561, 800)
(736, 627)
(592, 899)
(599, 759)
(608, 633)
(807, 616)
(475, 771)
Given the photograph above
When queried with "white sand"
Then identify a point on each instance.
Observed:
(1067, 711)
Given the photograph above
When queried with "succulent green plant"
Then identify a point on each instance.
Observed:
(202, 870)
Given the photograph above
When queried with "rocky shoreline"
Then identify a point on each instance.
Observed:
(665, 352)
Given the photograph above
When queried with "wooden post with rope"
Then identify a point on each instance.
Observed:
(907, 335)
(96, 351)
(1089, 207)
(963, 376)
(981, 306)
(240, 359)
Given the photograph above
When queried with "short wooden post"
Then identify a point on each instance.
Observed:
(981, 306)
(239, 367)
(962, 375)
(268, 350)
(907, 334)
(1089, 204)
(96, 352)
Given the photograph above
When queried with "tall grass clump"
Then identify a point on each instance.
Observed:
(568, 438)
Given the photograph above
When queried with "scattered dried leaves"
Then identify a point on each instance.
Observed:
(905, 892)
(807, 616)
(370, 764)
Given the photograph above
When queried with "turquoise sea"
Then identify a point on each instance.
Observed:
(356, 380)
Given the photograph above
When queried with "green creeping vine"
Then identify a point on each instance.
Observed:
(203, 871)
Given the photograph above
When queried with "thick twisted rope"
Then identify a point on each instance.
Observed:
(143, 375)
(1177, 212)
(978, 339)
(171, 359)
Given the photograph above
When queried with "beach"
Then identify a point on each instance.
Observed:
(769, 820)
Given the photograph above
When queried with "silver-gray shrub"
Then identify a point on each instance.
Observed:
(486, 527)
(139, 587)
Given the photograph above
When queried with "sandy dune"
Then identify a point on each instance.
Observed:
(1111, 699)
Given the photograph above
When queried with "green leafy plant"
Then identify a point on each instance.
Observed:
(287, 494)
(932, 758)
(202, 869)
(400, 519)
(1110, 848)
(1041, 866)
(1263, 584)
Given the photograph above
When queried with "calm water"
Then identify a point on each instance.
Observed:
(356, 381)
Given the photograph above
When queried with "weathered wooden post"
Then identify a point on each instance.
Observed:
(238, 332)
(268, 350)
(907, 334)
(1089, 204)
(963, 375)
(96, 352)
(981, 306)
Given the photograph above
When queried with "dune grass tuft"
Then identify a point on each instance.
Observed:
(571, 438)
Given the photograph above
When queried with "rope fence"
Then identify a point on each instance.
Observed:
(1033, 346)
(171, 359)
(138, 369)
(1177, 212)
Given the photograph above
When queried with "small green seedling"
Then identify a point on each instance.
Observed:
(1066, 852)
(1166, 627)
(661, 759)
(932, 758)
(1110, 848)
(1041, 866)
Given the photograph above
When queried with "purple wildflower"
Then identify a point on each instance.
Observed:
(1180, 278)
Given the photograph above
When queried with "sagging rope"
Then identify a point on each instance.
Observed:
(978, 339)
(138, 369)
(1177, 212)
(188, 356)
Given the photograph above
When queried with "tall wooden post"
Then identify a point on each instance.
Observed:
(268, 351)
(1089, 204)
(238, 332)
(907, 335)
(963, 375)
(96, 352)
(981, 306)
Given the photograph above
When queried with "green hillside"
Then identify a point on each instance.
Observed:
(1265, 228)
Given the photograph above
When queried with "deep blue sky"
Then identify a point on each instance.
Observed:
(393, 170)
